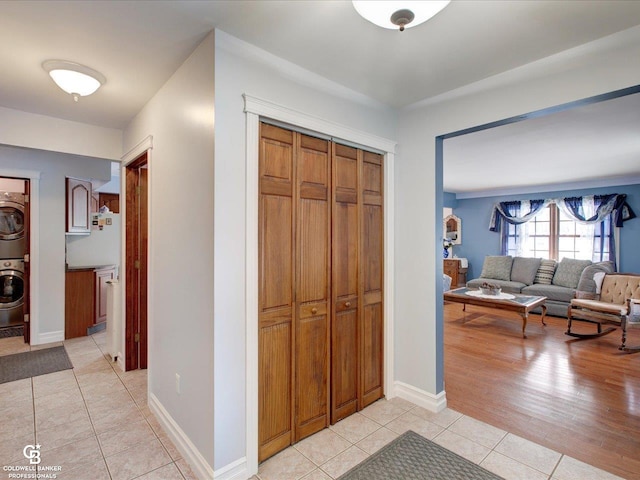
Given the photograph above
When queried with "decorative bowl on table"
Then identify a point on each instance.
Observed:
(490, 289)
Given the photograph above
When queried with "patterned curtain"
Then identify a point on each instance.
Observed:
(600, 212)
(516, 212)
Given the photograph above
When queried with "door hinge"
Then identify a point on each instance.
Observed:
(26, 318)
(26, 199)
(136, 264)
(27, 258)
(138, 190)
(136, 337)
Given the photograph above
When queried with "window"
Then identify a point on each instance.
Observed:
(554, 235)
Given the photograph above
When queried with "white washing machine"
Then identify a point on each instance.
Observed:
(11, 293)
(12, 225)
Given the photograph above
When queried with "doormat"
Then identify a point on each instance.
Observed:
(11, 332)
(32, 364)
(413, 457)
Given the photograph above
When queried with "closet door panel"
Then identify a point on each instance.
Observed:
(276, 291)
(274, 391)
(312, 286)
(345, 247)
(372, 325)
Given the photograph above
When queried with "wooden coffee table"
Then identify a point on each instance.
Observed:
(521, 304)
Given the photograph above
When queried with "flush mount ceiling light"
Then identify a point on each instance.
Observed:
(398, 14)
(75, 79)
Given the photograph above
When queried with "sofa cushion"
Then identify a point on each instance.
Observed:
(568, 272)
(497, 268)
(587, 282)
(552, 292)
(545, 272)
(524, 269)
(506, 286)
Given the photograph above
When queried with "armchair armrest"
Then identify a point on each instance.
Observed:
(582, 295)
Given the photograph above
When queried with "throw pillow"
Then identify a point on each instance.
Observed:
(524, 269)
(598, 278)
(497, 268)
(587, 279)
(545, 272)
(568, 272)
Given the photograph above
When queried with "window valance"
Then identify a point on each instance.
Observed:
(586, 210)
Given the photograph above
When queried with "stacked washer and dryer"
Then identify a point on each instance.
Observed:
(12, 250)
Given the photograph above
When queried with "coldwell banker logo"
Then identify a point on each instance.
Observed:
(32, 452)
(34, 469)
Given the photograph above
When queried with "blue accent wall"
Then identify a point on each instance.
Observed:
(478, 241)
(449, 200)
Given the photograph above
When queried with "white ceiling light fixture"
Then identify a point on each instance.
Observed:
(398, 14)
(75, 79)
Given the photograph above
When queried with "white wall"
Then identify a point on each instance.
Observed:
(180, 118)
(54, 167)
(592, 69)
(241, 68)
(24, 129)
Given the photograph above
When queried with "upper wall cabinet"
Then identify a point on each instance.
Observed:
(78, 206)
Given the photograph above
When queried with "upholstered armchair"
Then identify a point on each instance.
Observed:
(616, 303)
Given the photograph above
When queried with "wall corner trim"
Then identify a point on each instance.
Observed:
(182, 442)
(49, 337)
(144, 145)
(234, 471)
(433, 403)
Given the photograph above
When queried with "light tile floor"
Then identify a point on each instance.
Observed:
(93, 420)
(331, 452)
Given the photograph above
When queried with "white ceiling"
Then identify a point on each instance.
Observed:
(137, 45)
(592, 144)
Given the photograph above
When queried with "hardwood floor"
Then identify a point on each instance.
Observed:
(578, 397)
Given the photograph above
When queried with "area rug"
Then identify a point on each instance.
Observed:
(32, 364)
(413, 457)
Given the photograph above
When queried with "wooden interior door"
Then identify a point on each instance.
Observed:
(320, 324)
(313, 280)
(136, 229)
(345, 326)
(371, 285)
(276, 274)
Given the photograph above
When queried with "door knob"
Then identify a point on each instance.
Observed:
(314, 310)
(347, 304)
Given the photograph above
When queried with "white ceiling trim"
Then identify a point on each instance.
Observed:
(269, 109)
(599, 183)
(290, 70)
(540, 68)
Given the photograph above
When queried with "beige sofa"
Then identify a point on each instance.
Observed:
(557, 281)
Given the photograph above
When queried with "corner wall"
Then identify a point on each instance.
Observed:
(241, 68)
(180, 117)
(585, 71)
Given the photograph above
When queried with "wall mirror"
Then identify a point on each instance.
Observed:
(452, 226)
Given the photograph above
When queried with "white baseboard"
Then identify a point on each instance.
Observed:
(182, 442)
(234, 471)
(433, 403)
(49, 337)
(120, 361)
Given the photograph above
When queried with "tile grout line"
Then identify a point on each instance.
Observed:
(113, 368)
(84, 400)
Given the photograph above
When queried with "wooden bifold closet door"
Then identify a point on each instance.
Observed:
(320, 303)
